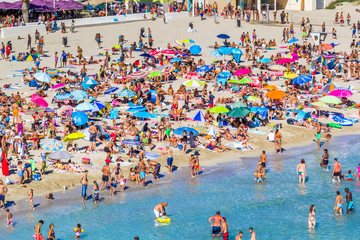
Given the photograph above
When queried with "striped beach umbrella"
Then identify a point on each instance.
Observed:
(32, 111)
(136, 75)
(178, 43)
(64, 109)
(53, 72)
(200, 129)
(30, 57)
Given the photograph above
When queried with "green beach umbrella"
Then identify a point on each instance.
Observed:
(330, 100)
(219, 109)
(318, 104)
(253, 98)
(239, 112)
(233, 81)
(239, 104)
(246, 80)
(117, 46)
(154, 74)
(193, 83)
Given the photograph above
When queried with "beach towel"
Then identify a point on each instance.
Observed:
(151, 156)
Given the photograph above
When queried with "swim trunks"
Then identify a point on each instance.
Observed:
(167, 132)
(216, 230)
(263, 164)
(325, 162)
(170, 161)
(351, 205)
(92, 137)
(2, 198)
(105, 178)
(318, 136)
(142, 175)
(336, 174)
(157, 213)
(157, 169)
(226, 236)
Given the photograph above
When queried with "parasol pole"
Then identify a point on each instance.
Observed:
(106, 5)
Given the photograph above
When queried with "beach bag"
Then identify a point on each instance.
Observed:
(85, 160)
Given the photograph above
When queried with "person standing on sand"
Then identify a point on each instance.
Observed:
(3, 192)
(216, 223)
(142, 168)
(84, 184)
(106, 176)
(318, 133)
(92, 131)
(160, 209)
(224, 229)
(31, 198)
(338, 203)
(277, 141)
(170, 158)
(156, 168)
(95, 192)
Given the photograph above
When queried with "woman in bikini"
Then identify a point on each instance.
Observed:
(277, 141)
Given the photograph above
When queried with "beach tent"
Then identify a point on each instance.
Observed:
(302, 115)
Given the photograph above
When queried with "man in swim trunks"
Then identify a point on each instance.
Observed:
(349, 201)
(263, 159)
(224, 229)
(325, 159)
(106, 176)
(3, 191)
(160, 209)
(15, 109)
(337, 170)
(92, 131)
(216, 223)
(167, 129)
(156, 167)
(84, 184)
(338, 203)
(170, 158)
(142, 168)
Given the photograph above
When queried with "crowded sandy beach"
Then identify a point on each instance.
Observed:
(151, 109)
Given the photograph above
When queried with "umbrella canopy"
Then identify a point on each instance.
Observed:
(285, 60)
(326, 47)
(192, 75)
(265, 60)
(53, 72)
(144, 115)
(253, 98)
(79, 118)
(111, 90)
(318, 103)
(154, 52)
(146, 55)
(84, 107)
(302, 79)
(78, 95)
(340, 93)
(223, 36)
(63, 97)
(89, 83)
(60, 155)
(30, 57)
(98, 105)
(195, 49)
(291, 76)
(225, 50)
(276, 94)
(126, 93)
(199, 116)
(64, 109)
(219, 109)
(180, 131)
(215, 53)
(330, 100)
(51, 144)
(136, 75)
(136, 109)
(176, 60)
(39, 101)
(270, 87)
(168, 51)
(154, 74)
(200, 129)
(33, 83)
(233, 81)
(188, 41)
(277, 68)
(243, 71)
(246, 80)
(239, 112)
(42, 77)
(193, 83)
(238, 104)
(57, 86)
(178, 43)
(294, 40)
(204, 68)
(35, 110)
(224, 75)
(74, 136)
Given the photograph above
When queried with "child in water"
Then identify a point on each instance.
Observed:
(9, 216)
(163, 216)
(122, 183)
(349, 176)
(112, 186)
(78, 230)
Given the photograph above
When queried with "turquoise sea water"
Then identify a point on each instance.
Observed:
(277, 209)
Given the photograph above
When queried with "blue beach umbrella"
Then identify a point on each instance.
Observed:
(89, 83)
(111, 90)
(79, 95)
(302, 79)
(195, 49)
(42, 77)
(215, 53)
(180, 131)
(33, 83)
(126, 93)
(225, 50)
(79, 118)
(224, 75)
(176, 60)
(63, 97)
(223, 36)
(265, 60)
(144, 115)
(84, 107)
(98, 106)
(236, 54)
(204, 68)
(294, 40)
(136, 109)
(199, 116)
(146, 55)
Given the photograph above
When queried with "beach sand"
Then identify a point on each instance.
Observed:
(163, 34)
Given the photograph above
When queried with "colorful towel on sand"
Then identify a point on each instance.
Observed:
(151, 156)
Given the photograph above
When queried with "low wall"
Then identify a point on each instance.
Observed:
(83, 22)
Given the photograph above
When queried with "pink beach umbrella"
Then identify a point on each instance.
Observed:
(39, 101)
(61, 85)
(168, 51)
(154, 52)
(285, 60)
(341, 93)
(243, 71)
(192, 75)
(294, 56)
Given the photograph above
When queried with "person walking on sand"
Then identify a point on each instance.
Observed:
(3, 192)
(301, 171)
(224, 229)
(318, 133)
(142, 168)
(170, 158)
(159, 209)
(338, 203)
(277, 141)
(216, 223)
(31, 198)
(84, 184)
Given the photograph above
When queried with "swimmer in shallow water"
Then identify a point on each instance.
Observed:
(301, 171)
(338, 203)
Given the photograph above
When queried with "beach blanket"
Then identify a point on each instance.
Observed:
(257, 132)
(151, 156)
(237, 145)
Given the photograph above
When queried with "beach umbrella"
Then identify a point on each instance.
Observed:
(276, 94)
(264, 60)
(313, 73)
(212, 132)
(89, 83)
(79, 118)
(238, 104)
(176, 60)
(63, 97)
(233, 81)
(326, 47)
(42, 77)
(126, 93)
(195, 49)
(243, 71)
(130, 142)
(39, 101)
(192, 75)
(180, 131)
(204, 68)
(154, 74)
(188, 41)
(340, 93)
(53, 72)
(98, 106)
(84, 107)
(179, 52)
(277, 68)
(32, 111)
(253, 98)
(291, 76)
(200, 129)
(193, 83)
(294, 56)
(246, 80)
(57, 86)
(78, 95)
(318, 103)
(30, 57)
(239, 112)
(330, 100)
(51, 144)
(136, 75)
(199, 116)
(223, 36)
(237, 53)
(215, 53)
(302, 79)
(218, 109)
(33, 83)
(111, 90)
(146, 55)
(144, 115)
(64, 109)
(285, 60)
(178, 43)
(168, 51)
(225, 50)
(138, 108)
(154, 52)
(224, 75)
(294, 40)
(74, 136)
(270, 87)
(60, 155)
